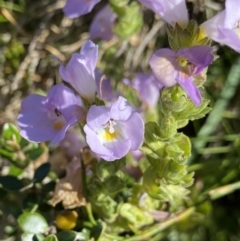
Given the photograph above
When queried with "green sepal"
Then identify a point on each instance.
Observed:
(173, 99)
(193, 112)
(134, 215)
(186, 37)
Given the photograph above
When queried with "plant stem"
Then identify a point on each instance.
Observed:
(147, 234)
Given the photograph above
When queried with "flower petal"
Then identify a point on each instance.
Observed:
(209, 28)
(230, 38)
(61, 134)
(162, 64)
(101, 26)
(90, 51)
(76, 8)
(95, 144)
(190, 88)
(97, 116)
(232, 13)
(172, 11)
(200, 56)
(121, 109)
(134, 129)
(78, 75)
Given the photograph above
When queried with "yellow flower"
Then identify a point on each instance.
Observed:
(67, 220)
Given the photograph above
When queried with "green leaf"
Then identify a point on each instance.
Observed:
(11, 183)
(67, 236)
(41, 172)
(96, 231)
(33, 223)
(30, 201)
(11, 132)
(38, 237)
(51, 237)
(27, 237)
(15, 171)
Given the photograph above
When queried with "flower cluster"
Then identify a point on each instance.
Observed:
(115, 129)
(111, 132)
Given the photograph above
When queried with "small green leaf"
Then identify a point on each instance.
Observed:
(38, 237)
(33, 223)
(11, 132)
(27, 237)
(67, 236)
(11, 183)
(51, 238)
(41, 172)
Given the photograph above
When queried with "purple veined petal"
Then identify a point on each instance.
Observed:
(134, 129)
(78, 75)
(90, 51)
(209, 28)
(61, 134)
(76, 8)
(163, 65)
(119, 147)
(97, 116)
(200, 56)
(101, 26)
(190, 88)
(230, 38)
(121, 109)
(95, 144)
(232, 13)
(171, 11)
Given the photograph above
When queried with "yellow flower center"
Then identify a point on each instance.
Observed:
(58, 125)
(107, 136)
(182, 61)
(185, 66)
(108, 133)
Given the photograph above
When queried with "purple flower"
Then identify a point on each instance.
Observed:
(111, 132)
(79, 71)
(172, 11)
(76, 8)
(147, 87)
(47, 118)
(225, 26)
(104, 87)
(101, 26)
(171, 67)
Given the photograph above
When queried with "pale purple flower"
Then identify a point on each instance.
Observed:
(147, 87)
(47, 118)
(102, 24)
(111, 132)
(171, 67)
(104, 88)
(76, 8)
(172, 11)
(79, 72)
(225, 26)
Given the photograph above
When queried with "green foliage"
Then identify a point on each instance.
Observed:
(185, 37)
(129, 19)
(33, 223)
